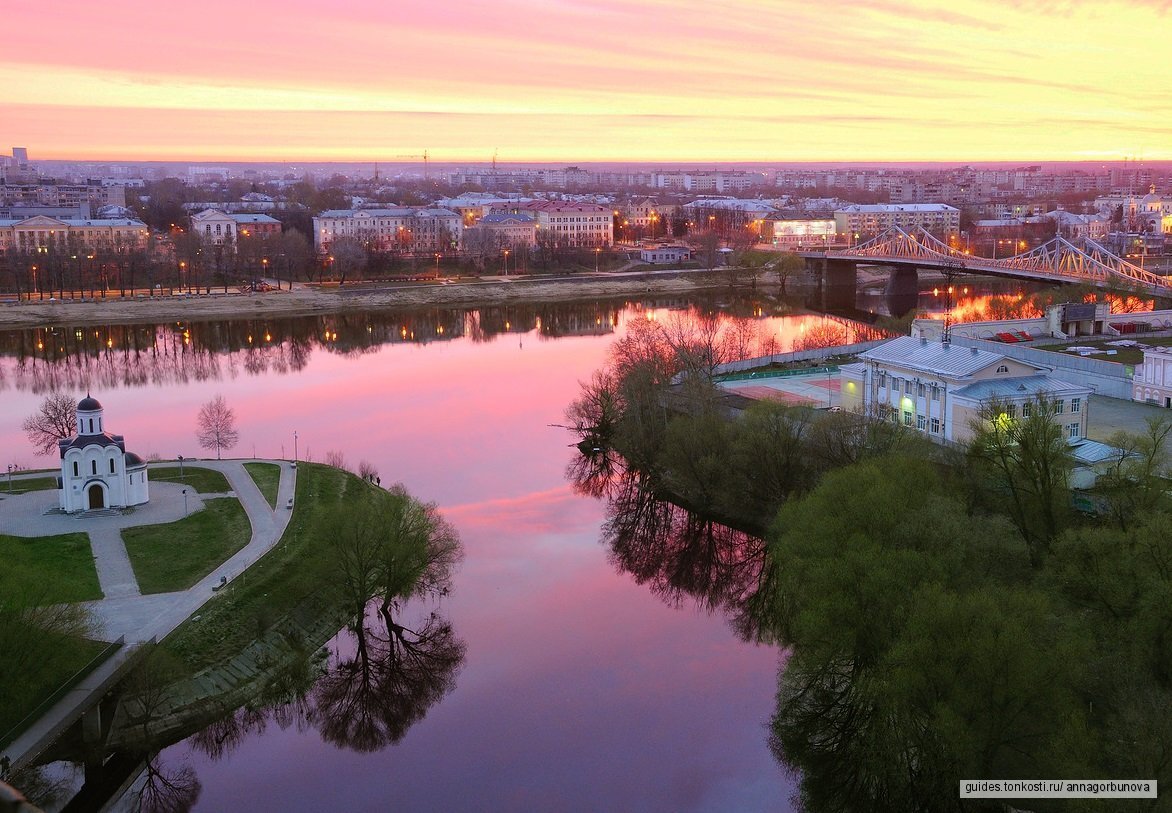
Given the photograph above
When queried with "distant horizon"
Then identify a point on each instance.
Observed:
(672, 81)
(658, 165)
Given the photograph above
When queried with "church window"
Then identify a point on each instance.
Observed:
(75, 469)
(91, 426)
(93, 467)
(111, 465)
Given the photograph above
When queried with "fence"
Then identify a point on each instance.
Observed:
(62, 690)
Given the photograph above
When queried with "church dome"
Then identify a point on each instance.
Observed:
(133, 460)
(88, 404)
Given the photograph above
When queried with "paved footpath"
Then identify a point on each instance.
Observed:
(124, 612)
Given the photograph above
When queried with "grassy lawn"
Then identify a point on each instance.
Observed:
(267, 477)
(31, 484)
(49, 569)
(58, 661)
(205, 481)
(294, 574)
(176, 555)
(1124, 355)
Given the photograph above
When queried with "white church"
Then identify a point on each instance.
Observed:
(96, 470)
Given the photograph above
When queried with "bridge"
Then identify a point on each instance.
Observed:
(1057, 260)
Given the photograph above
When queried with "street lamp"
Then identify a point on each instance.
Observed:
(185, 502)
(294, 446)
(9, 478)
(437, 259)
(597, 252)
(506, 262)
(180, 467)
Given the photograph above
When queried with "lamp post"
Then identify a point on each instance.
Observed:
(597, 252)
(185, 502)
(294, 446)
(506, 262)
(9, 478)
(180, 467)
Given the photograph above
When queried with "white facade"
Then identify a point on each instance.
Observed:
(869, 219)
(941, 389)
(1153, 381)
(44, 232)
(393, 229)
(96, 470)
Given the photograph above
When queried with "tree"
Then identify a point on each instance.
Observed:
(217, 426)
(1024, 463)
(55, 420)
(786, 266)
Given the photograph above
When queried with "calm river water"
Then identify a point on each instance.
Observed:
(579, 689)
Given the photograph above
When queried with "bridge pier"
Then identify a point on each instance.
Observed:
(838, 284)
(903, 289)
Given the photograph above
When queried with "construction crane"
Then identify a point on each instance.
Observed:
(424, 156)
(494, 152)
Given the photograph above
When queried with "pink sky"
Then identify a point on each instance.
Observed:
(661, 80)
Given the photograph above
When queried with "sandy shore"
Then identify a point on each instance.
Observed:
(312, 300)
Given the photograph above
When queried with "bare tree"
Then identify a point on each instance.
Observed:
(217, 426)
(336, 459)
(367, 470)
(55, 420)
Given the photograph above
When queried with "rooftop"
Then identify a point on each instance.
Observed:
(932, 356)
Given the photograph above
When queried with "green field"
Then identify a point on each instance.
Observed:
(267, 477)
(30, 484)
(176, 555)
(48, 569)
(292, 575)
(205, 481)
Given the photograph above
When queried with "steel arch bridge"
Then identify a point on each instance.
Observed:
(1057, 260)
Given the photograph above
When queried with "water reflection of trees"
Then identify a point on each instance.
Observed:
(365, 693)
(106, 356)
(678, 554)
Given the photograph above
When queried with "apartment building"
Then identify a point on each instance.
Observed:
(401, 229)
(940, 219)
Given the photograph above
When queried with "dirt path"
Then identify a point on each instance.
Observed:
(305, 301)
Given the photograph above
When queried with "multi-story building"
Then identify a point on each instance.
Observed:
(221, 227)
(571, 224)
(869, 219)
(501, 230)
(43, 233)
(1153, 381)
(400, 229)
(943, 389)
(92, 193)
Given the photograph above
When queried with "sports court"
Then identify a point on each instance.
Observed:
(815, 389)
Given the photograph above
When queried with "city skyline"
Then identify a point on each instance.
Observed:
(594, 80)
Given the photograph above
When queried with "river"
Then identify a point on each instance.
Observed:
(580, 689)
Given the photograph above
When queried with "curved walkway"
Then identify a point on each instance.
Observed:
(125, 612)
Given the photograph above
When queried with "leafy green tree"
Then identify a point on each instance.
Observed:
(1024, 463)
(1134, 479)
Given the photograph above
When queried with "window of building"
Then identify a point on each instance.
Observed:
(935, 392)
(1059, 407)
(907, 417)
(1075, 404)
(1011, 410)
(1026, 409)
(93, 467)
(75, 469)
(111, 465)
(907, 387)
(1003, 369)
(1075, 430)
(920, 390)
(935, 426)
(921, 422)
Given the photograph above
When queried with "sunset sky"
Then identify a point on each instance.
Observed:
(589, 80)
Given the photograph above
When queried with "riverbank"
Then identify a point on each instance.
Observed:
(310, 300)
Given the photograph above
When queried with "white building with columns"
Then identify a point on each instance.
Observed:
(96, 470)
(1153, 381)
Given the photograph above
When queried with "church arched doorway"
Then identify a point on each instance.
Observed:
(97, 497)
